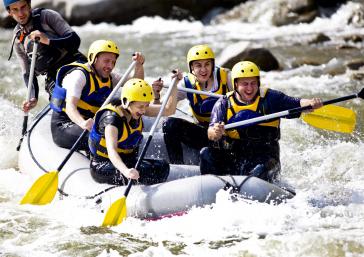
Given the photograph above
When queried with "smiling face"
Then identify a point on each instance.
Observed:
(202, 69)
(137, 109)
(247, 88)
(104, 64)
(20, 11)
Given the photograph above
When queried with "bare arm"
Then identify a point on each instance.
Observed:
(74, 114)
(111, 136)
(171, 105)
(157, 86)
(139, 68)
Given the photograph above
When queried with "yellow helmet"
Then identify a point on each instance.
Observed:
(245, 69)
(136, 90)
(100, 46)
(199, 52)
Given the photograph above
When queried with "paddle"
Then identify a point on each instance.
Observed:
(330, 117)
(44, 189)
(117, 211)
(30, 86)
(195, 91)
(350, 121)
(200, 92)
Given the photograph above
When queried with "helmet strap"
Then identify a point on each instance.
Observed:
(95, 71)
(125, 103)
(213, 68)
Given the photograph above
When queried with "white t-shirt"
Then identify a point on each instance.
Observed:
(75, 81)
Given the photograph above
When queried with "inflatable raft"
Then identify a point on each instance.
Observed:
(184, 188)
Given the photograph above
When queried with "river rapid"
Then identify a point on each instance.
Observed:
(326, 218)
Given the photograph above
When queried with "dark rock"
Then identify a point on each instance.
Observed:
(320, 38)
(301, 6)
(294, 12)
(260, 56)
(354, 39)
(110, 11)
(355, 64)
(328, 8)
(345, 47)
(330, 3)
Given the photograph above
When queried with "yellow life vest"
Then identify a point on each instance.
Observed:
(237, 111)
(93, 95)
(129, 138)
(195, 100)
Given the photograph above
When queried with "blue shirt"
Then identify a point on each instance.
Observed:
(277, 101)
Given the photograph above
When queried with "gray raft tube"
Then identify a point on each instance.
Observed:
(179, 196)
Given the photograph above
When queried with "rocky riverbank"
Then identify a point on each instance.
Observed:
(125, 11)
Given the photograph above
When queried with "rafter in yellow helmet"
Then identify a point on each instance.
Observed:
(199, 52)
(136, 90)
(244, 69)
(101, 46)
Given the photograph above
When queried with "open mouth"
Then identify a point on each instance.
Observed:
(138, 114)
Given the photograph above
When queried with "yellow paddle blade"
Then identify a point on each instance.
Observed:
(332, 117)
(43, 190)
(116, 213)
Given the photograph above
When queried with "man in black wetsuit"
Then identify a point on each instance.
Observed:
(58, 46)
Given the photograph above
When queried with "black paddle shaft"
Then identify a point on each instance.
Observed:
(149, 139)
(24, 130)
(291, 111)
(72, 150)
(332, 101)
(137, 165)
(84, 133)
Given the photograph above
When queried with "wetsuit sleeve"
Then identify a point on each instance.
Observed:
(218, 113)
(25, 66)
(67, 38)
(279, 101)
(110, 118)
(35, 90)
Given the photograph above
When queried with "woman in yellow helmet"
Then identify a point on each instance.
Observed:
(81, 89)
(117, 133)
(203, 75)
(248, 150)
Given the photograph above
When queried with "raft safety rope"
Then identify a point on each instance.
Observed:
(234, 185)
(37, 118)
